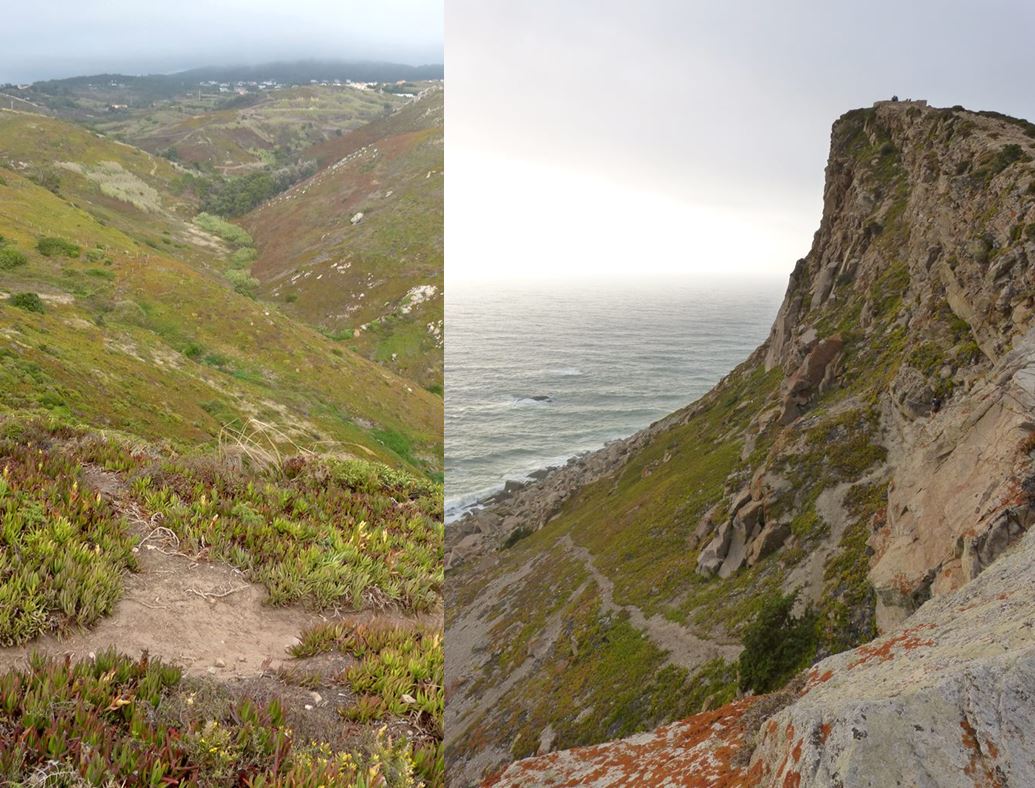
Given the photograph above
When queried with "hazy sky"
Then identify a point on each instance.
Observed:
(589, 138)
(59, 38)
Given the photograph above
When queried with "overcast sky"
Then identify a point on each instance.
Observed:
(60, 38)
(590, 138)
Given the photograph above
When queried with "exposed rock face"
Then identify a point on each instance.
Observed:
(875, 453)
(948, 699)
(960, 488)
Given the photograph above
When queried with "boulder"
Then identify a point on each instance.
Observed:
(806, 380)
(714, 553)
(769, 540)
(736, 554)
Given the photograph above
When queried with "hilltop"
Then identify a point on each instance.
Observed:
(357, 248)
(92, 96)
(740, 557)
(221, 553)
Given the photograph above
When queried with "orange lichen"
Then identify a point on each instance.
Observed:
(696, 752)
(815, 678)
(824, 732)
(978, 767)
(885, 650)
(796, 752)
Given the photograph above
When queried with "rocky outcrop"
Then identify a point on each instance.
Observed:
(816, 371)
(947, 699)
(962, 488)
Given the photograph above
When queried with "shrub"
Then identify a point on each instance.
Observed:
(30, 302)
(47, 178)
(113, 720)
(230, 233)
(62, 552)
(57, 247)
(243, 282)
(776, 644)
(11, 258)
(243, 257)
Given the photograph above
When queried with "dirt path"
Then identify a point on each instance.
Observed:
(203, 616)
(682, 646)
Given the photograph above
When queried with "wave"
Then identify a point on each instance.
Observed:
(562, 372)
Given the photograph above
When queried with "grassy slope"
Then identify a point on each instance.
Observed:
(141, 332)
(340, 276)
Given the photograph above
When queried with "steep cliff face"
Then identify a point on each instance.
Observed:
(872, 454)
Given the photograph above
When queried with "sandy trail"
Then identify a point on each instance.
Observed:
(682, 646)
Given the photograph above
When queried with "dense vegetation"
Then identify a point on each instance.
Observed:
(236, 196)
(777, 644)
(116, 719)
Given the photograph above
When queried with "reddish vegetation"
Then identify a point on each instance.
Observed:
(884, 651)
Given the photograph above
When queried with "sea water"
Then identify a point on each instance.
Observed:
(537, 372)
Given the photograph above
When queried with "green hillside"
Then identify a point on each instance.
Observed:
(356, 250)
(140, 326)
(233, 135)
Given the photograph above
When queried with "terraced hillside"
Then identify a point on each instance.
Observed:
(872, 454)
(221, 529)
(357, 249)
(237, 135)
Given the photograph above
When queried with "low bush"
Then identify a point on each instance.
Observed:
(231, 233)
(776, 645)
(11, 258)
(57, 247)
(117, 721)
(330, 533)
(62, 552)
(398, 673)
(30, 302)
(243, 282)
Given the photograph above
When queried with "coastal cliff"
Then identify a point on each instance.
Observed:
(863, 482)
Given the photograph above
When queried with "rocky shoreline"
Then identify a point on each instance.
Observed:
(523, 507)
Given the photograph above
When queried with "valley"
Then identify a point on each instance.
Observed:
(243, 502)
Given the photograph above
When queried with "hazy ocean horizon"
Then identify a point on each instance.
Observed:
(538, 372)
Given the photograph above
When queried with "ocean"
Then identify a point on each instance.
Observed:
(537, 372)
